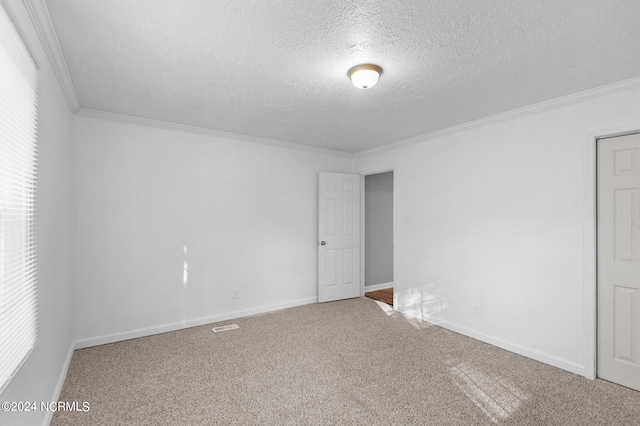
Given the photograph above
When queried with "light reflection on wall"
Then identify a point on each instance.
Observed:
(185, 282)
(185, 267)
(427, 302)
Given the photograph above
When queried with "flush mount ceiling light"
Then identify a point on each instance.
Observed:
(364, 76)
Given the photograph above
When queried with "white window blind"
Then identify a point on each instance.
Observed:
(18, 132)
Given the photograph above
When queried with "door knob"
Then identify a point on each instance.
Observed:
(324, 243)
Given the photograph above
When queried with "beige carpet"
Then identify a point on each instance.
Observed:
(338, 363)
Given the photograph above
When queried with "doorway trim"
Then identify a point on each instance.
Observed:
(364, 174)
(590, 233)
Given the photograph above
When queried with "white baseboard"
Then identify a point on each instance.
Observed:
(148, 331)
(378, 287)
(512, 347)
(58, 389)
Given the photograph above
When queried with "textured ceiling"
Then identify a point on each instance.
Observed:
(277, 69)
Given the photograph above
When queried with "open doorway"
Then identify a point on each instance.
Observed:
(378, 236)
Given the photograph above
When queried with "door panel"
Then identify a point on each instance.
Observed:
(339, 229)
(624, 206)
(623, 324)
(619, 260)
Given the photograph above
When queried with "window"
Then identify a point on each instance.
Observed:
(18, 131)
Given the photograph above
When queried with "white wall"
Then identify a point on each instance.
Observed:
(39, 377)
(497, 218)
(378, 244)
(246, 213)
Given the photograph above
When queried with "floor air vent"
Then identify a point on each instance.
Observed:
(225, 328)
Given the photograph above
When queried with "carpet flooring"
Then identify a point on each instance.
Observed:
(385, 295)
(339, 363)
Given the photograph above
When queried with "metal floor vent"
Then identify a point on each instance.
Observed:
(225, 328)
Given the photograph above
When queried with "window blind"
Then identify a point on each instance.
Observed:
(18, 133)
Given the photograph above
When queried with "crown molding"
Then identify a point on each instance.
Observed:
(130, 119)
(43, 25)
(571, 99)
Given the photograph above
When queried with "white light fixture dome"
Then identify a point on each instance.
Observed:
(364, 76)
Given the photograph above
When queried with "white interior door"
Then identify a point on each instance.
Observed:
(338, 236)
(619, 260)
